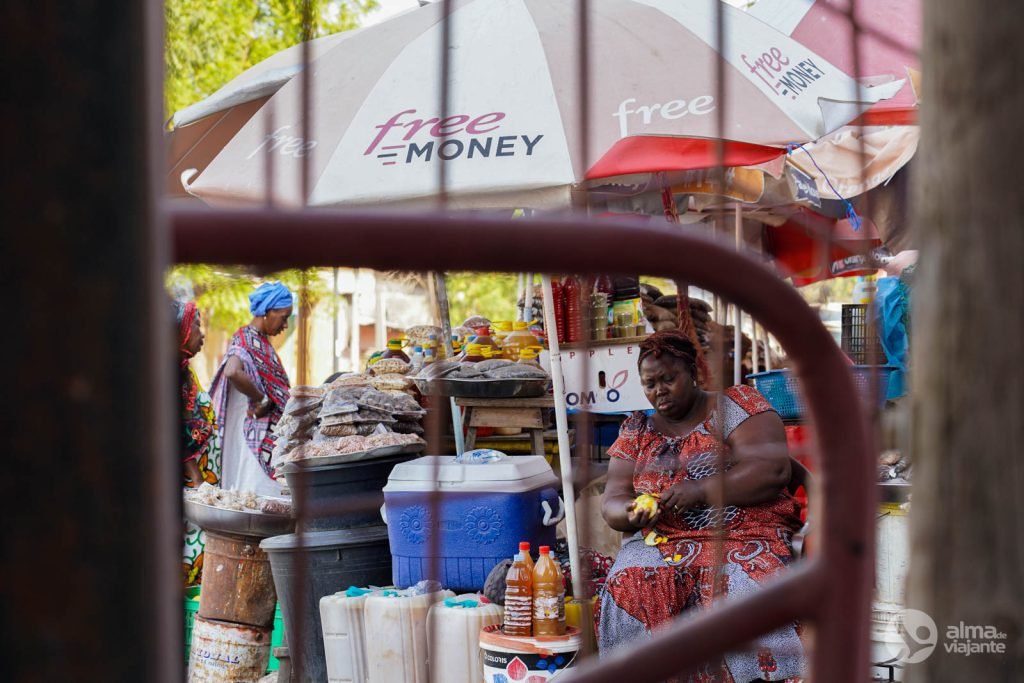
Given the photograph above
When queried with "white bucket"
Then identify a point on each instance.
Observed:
(511, 659)
(227, 653)
(454, 636)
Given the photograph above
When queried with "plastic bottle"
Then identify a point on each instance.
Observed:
(548, 596)
(416, 362)
(394, 350)
(484, 338)
(524, 548)
(558, 294)
(429, 353)
(571, 291)
(519, 598)
(502, 328)
(520, 338)
(864, 290)
(474, 353)
(528, 356)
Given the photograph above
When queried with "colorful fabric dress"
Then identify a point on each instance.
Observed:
(652, 584)
(198, 442)
(247, 443)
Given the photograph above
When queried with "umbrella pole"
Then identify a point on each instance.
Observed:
(562, 424)
(441, 287)
(737, 343)
(520, 292)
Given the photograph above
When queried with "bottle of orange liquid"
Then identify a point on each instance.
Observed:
(519, 597)
(548, 596)
(524, 547)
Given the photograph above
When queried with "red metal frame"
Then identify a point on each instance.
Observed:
(831, 590)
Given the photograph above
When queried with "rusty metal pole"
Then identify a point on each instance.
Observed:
(92, 565)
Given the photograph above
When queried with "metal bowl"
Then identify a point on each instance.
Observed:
(484, 388)
(241, 522)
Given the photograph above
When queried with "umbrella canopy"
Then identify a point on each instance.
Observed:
(202, 130)
(856, 159)
(889, 39)
(510, 137)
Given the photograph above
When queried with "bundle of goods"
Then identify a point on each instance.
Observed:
(241, 501)
(478, 377)
(495, 368)
(355, 417)
(663, 314)
(390, 374)
(299, 420)
(321, 447)
(354, 410)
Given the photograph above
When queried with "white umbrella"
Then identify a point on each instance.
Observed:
(509, 139)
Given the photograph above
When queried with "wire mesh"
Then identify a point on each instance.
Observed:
(310, 243)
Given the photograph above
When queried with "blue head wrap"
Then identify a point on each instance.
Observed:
(269, 295)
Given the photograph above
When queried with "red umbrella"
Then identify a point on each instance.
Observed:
(800, 247)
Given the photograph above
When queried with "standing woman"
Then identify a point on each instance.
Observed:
(250, 389)
(199, 449)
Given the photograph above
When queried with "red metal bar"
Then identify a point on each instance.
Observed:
(835, 589)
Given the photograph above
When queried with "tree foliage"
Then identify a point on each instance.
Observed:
(222, 293)
(492, 295)
(209, 42)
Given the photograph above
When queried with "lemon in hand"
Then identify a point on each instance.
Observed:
(647, 502)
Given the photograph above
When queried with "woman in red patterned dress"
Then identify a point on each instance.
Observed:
(668, 567)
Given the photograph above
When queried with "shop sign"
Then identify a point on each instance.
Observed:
(611, 383)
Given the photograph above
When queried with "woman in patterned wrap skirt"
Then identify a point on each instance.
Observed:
(667, 568)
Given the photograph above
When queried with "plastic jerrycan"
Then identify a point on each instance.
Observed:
(342, 616)
(453, 629)
(520, 338)
(396, 636)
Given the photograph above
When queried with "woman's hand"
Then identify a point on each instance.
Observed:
(262, 409)
(643, 517)
(683, 496)
(194, 474)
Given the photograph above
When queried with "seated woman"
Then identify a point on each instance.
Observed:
(668, 567)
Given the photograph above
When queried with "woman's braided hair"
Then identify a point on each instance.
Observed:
(675, 343)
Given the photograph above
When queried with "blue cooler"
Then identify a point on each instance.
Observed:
(483, 511)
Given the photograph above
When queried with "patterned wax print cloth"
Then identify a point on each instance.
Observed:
(668, 572)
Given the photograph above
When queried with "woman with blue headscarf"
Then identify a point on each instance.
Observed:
(249, 390)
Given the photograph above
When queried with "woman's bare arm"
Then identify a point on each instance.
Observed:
(617, 502)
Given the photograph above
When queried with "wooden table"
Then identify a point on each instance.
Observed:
(524, 413)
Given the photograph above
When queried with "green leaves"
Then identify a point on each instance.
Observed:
(209, 42)
(222, 293)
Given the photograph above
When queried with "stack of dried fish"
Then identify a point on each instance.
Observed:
(298, 423)
(495, 368)
(390, 374)
(358, 411)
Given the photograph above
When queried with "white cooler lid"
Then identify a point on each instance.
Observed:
(513, 474)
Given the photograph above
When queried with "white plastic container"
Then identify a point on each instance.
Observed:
(344, 627)
(455, 631)
(396, 636)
